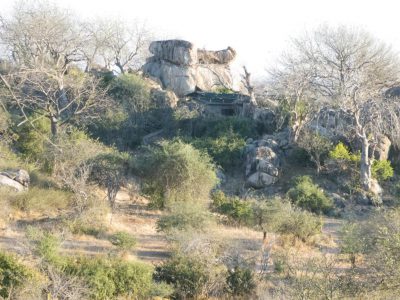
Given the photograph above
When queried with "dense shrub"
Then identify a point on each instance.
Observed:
(238, 211)
(32, 142)
(13, 274)
(279, 215)
(226, 150)
(132, 115)
(382, 170)
(300, 224)
(112, 278)
(188, 275)
(123, 240)
(342, 152)
(175, 171)
(309, 196)
(240, 282)
(185, 216)
(46, 245)
(220, 126)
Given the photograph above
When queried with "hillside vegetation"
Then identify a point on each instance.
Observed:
(112, 187)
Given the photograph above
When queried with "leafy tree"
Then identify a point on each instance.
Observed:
(175, 171)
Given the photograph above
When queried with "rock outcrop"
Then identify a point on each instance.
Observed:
(16, 179)
(262, 162)
(382, 148)
(182, 68)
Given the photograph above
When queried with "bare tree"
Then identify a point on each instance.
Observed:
(290, 86)
(45, 46)
(60, 97)
(350, 70)
(126, 44)
(315, 145)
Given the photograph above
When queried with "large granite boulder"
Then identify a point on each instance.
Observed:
(178, 52)
(16, 179)
(182, 68)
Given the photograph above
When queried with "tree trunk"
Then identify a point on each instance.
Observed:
(365, 164)
(54, 126)
(120, 67)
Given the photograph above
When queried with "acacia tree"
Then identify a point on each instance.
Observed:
(350, 70)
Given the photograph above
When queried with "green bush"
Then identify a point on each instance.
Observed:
(341, 152)
(279, 215)
(123, 240)
(46, 245)
(175, 171)
(238, 211)
(112, 278)
(300, 224)
(188, 275)
(185, 216)
(226, 150)
(13, 274)
(309, 196)
(32, 142)
(240, 282)
(382, 170)
(133, 114)
(220, 126)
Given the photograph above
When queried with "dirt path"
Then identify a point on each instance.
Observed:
(331, 229)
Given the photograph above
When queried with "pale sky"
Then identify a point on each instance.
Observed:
(258, 30)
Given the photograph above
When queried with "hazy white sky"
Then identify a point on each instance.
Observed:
(258, 30)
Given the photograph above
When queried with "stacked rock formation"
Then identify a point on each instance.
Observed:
(179, 66)
(262, 162)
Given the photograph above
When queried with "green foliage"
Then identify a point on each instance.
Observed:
(13, 274)
(341, 152)
(185, 216)
(133, 114)
(300, 224)
(46, 245)
(279, 215)
(223, 90)
(188, 275)
(240, 282)
(32, 142)
(42, 200)
(382, 170)
(309, 196)
(220, 126)
(123, 240)
(175, 171)
(226, 150)
(112, 278)
(132, 91)
(238, 211)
